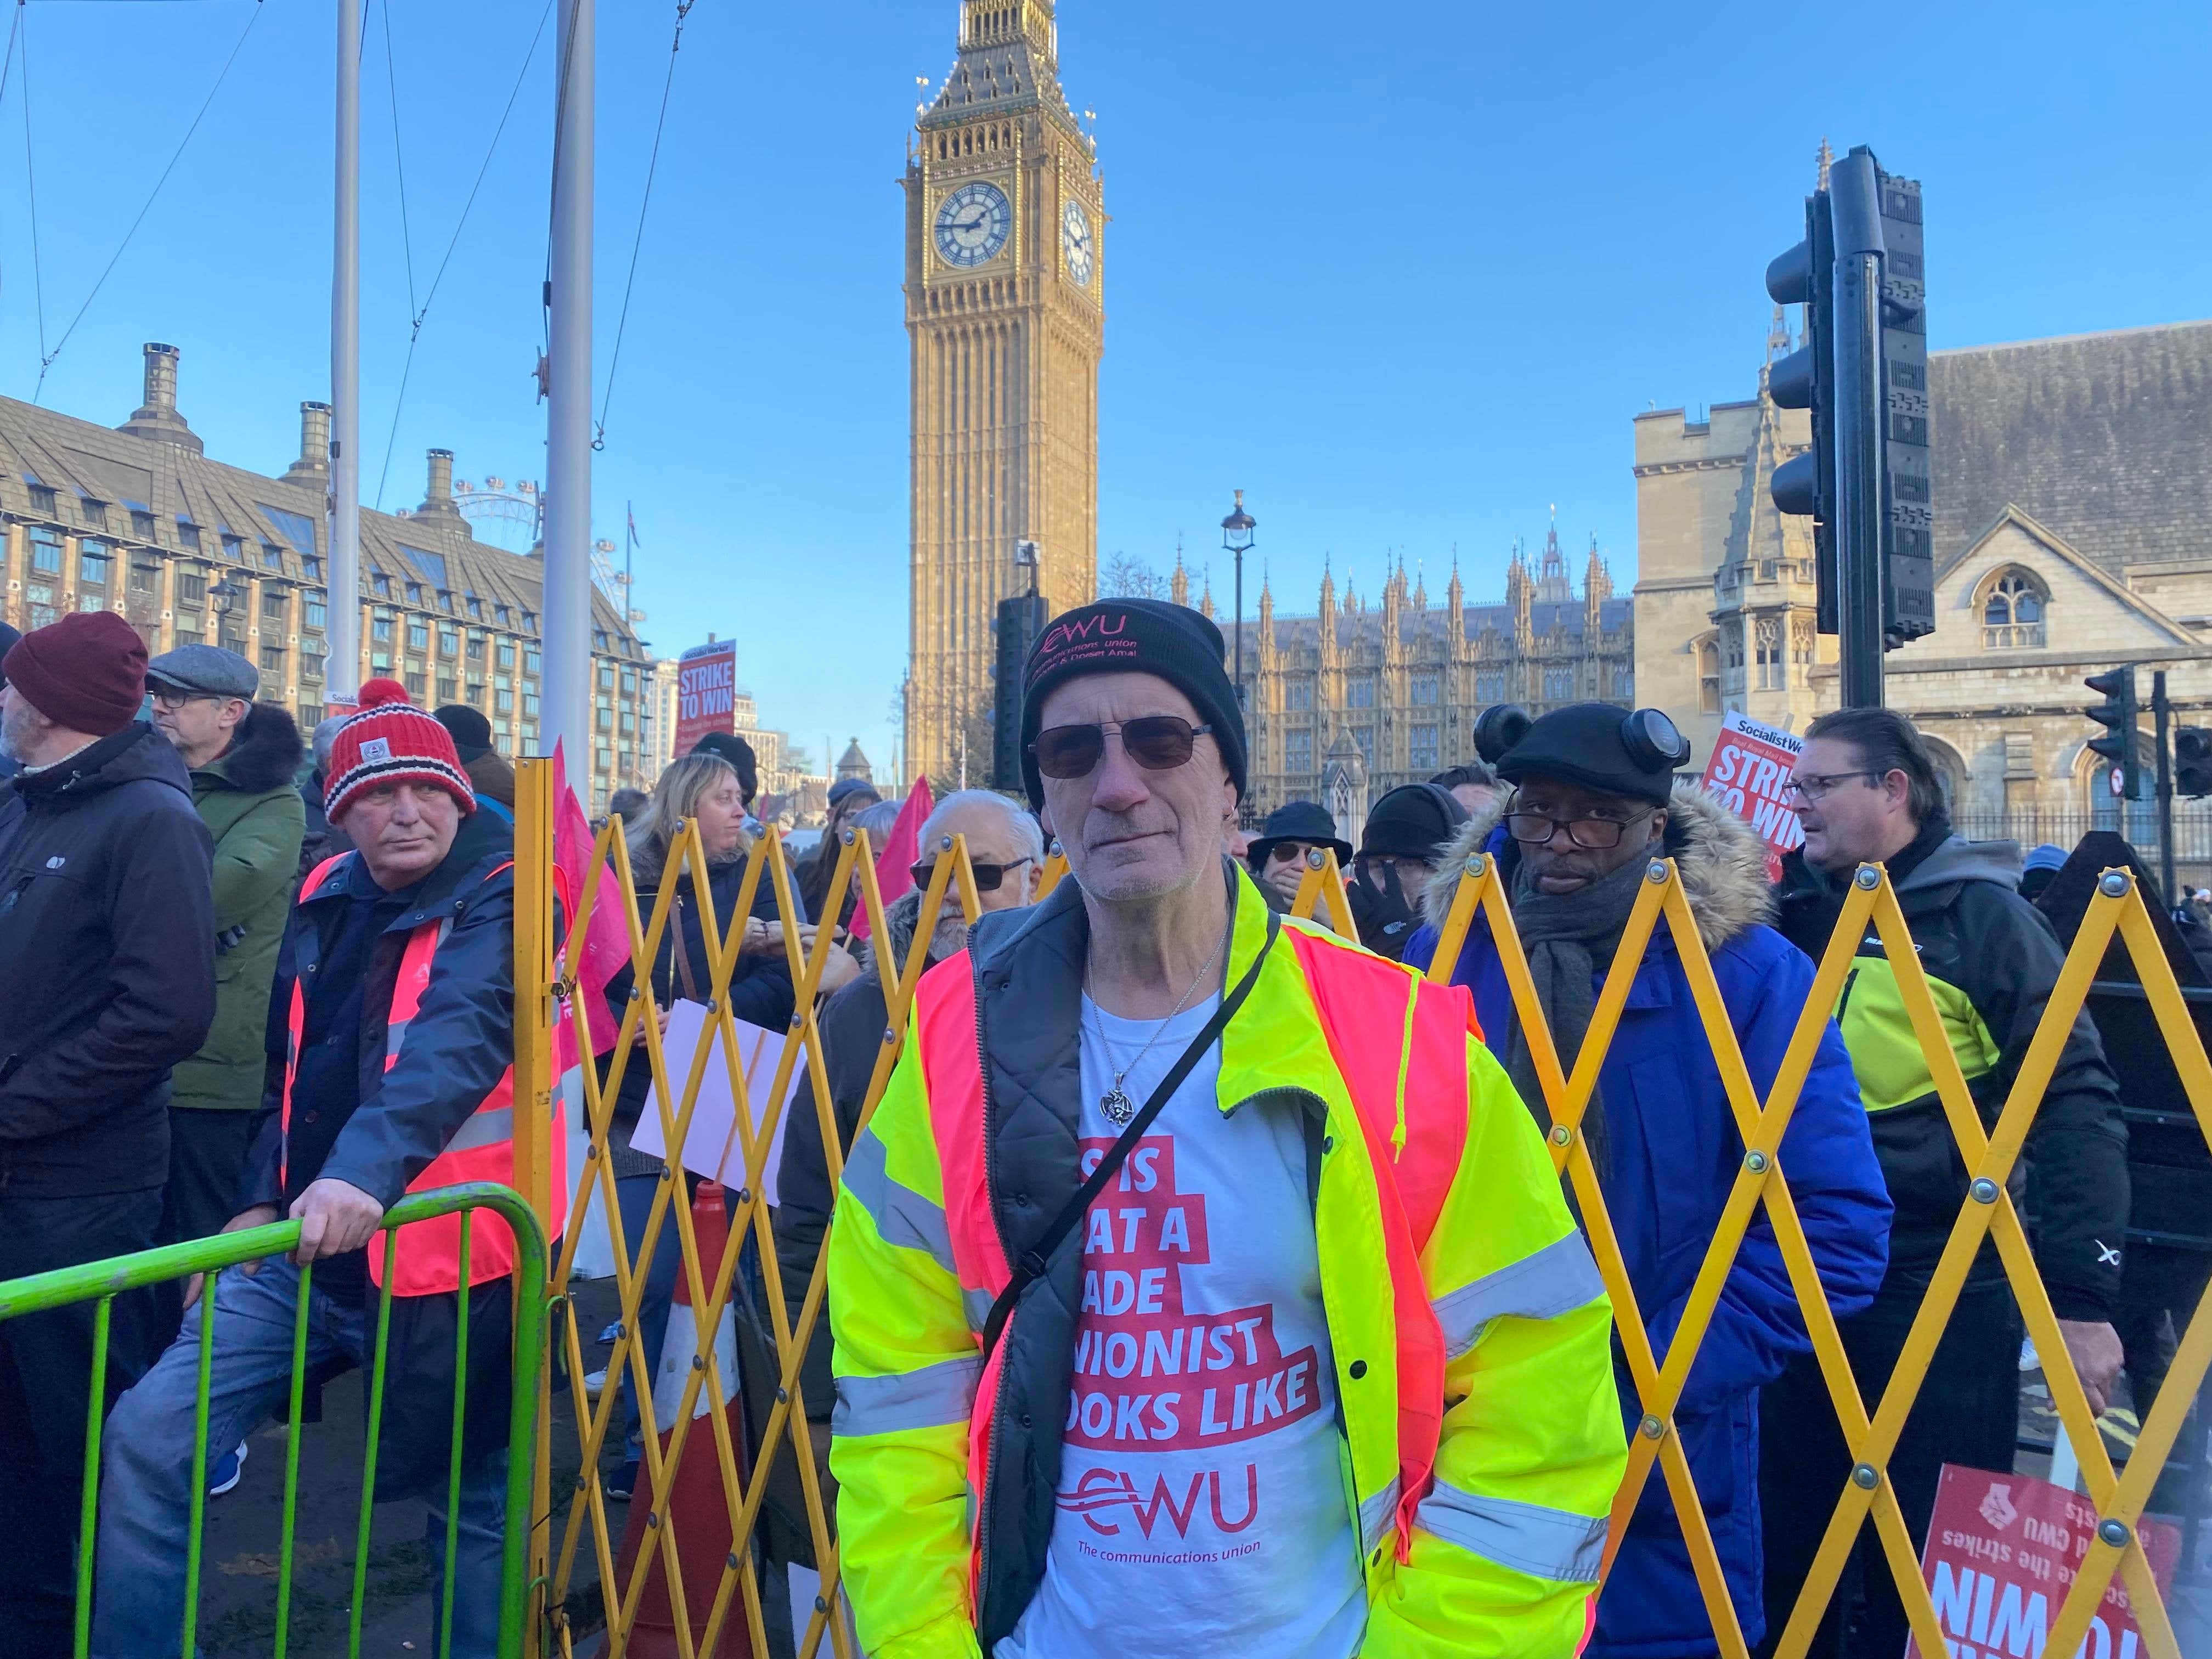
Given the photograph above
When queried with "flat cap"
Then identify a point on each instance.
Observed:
(207, 669)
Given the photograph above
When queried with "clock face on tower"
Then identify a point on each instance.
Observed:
(1075, 242)
(972, 224)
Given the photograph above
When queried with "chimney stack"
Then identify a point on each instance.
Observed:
(313, 466)
(157, 419)
(438, 504)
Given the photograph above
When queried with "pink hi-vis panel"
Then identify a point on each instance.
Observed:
(427, 1262)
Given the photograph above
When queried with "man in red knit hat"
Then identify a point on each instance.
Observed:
(107, 980)
(396, 990)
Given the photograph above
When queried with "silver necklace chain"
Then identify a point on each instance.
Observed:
(1115, 1103)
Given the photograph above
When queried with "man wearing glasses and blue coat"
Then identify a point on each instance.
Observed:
(1593, 805)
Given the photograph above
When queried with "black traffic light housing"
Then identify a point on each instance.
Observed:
(1020, 621)
(2117, 713)
(2192, 761)
(1805, 485)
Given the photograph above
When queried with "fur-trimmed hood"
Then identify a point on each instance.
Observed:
(901, 917)
(264, 755)
(1721, 859)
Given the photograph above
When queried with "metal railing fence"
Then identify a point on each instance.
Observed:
(102, 1282)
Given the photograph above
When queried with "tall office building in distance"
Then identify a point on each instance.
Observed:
(1004, 278)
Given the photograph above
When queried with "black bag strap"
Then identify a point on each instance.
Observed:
(1033, 1263)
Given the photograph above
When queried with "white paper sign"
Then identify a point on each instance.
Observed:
(712, 1147)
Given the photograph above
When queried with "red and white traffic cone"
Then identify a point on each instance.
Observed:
(696, 1502)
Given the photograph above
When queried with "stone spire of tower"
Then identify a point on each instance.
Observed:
(1420, 588)
(1206, 600)
(1326, 615)
(1597, 576)
(1553, 587)
(1455, 606)
(1777, 336)
(1821, 163)
(1266, 606)
(1179, 583)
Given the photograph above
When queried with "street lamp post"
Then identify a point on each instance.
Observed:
(1236, 541)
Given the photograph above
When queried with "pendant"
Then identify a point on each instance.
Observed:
(1117, 1105)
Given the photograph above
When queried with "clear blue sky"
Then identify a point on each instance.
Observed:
(1403, 272)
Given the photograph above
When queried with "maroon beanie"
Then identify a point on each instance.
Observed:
(86, 672)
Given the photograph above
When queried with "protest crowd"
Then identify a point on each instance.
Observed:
(1175, 1205)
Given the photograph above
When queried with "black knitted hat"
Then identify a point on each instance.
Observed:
(1413, 820)
(1134, 636)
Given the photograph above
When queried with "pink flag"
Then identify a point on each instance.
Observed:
(901, 848)
(605, 947)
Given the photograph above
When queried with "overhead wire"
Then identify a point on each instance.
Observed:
(637, 243)
(31, 181)
(7, 66)
(398, 155)
(422, 312)
(46, 358)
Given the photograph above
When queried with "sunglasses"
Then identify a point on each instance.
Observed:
(1158, 743)
(988, 877)
(1287, 852)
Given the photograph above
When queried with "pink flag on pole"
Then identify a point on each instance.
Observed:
(605, 946)
(902, 847)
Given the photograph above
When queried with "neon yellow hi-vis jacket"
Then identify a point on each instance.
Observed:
(1482, 1434)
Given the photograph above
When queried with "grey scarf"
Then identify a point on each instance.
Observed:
(1571, 939)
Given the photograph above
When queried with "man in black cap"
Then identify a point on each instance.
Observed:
(490, 775)
(1405, 835)
(1277, 858)
(1012, 1202)
(1592, 812)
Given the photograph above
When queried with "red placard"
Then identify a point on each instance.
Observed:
(2003, 1552)
(706, 693)
(1749, 768)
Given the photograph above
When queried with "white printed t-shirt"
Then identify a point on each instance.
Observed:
(1202, 1505)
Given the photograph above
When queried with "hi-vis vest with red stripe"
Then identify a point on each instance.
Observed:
(427, 1260)
(1403, 1059)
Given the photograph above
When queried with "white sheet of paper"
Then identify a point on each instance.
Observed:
(712, 1147)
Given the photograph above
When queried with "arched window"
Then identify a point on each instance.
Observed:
(1709, 678)
(2012, 611)
(1770, 655)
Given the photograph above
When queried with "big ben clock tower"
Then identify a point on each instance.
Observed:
(1004, 223)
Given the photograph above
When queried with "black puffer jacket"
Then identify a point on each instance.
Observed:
(107, 964)
(1991, 961)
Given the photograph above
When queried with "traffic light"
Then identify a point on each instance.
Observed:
(2117, 713)
(1805, 485)
(1020, 621)
(1862, 376)
(2192, 761)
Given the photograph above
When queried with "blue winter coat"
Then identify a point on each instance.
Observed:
(1674, 1153)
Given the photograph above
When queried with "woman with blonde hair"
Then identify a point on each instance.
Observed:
(701, 787)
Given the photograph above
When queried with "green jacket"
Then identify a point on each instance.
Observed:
(247, 799)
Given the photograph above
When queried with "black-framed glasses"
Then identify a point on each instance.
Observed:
(988, 877)
(1158, 743)
(173, 700)
(1811, 786)
(1592, 833)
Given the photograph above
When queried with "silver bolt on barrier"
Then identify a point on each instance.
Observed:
(636, 992)
(1984, 1190)
(667, 1174)
(1053, 851)
(1756, 1163)
(714, 1005)
(2113, 885)
(1652, 1427)
(731, 1560)
(821, 1606)
(651, 1518)
(698, 1362)
(745, 1195)
(2114, 1532)
(1561, 1135)
(1655, 872)
(1314, 858)
(782, 1393)
(1474, 864)
(1867, 877)
(1865, 1476)
(944, 843)
(591, 1150)
(845, 836)
(889, 1034)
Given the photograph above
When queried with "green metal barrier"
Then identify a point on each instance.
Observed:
(104, 1281)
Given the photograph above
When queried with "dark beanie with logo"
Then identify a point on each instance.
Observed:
(1134, 636)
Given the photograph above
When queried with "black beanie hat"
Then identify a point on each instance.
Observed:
(1413, 820)
(1134, 636)
(1583, 744)
(470, 730)
(739, 754)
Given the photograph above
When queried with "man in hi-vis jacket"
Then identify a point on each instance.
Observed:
(1200, 1284)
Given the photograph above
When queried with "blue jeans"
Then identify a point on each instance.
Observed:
(145, 1509)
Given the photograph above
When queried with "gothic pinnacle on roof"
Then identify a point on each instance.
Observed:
(1821, 164)
(1009, 60)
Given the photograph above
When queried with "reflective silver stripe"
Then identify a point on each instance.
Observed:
(902, 1215)
(979, 1302)
(568, 1094)
(394, 1035)
(1528, 1538)
(1556, 1280)
(1378, 1516)
(484, 1130)
(931, 1398)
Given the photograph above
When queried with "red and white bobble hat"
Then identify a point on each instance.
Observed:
(393, 741)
